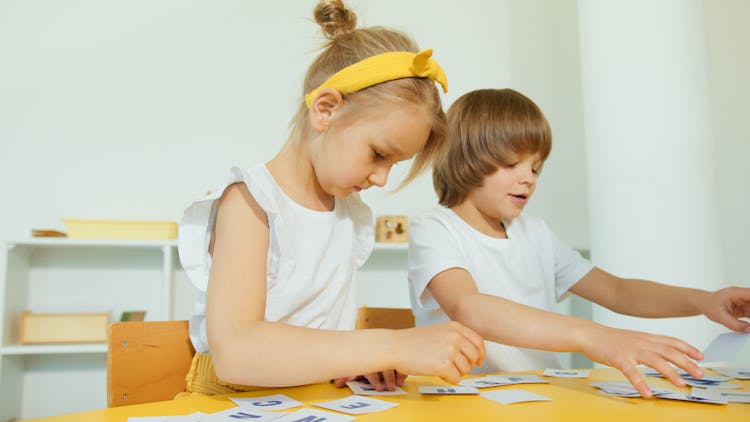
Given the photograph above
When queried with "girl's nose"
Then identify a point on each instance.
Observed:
(380, 176)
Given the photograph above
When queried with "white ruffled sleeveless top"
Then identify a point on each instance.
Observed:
(313, 256)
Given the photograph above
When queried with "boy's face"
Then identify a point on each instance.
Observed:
(504, 193)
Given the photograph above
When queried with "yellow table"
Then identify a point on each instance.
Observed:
(573, 400)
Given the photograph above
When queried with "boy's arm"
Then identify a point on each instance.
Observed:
(649, 299)
(246, 349)
(504, 321)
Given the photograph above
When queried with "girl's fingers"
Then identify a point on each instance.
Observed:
(389, 377)
(374, 380)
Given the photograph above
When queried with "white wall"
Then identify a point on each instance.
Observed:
(128, 110)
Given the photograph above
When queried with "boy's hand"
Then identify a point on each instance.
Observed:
(726, 306)
(380, 381)
(448, 350)
(625, 349)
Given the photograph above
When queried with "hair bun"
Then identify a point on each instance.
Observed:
(334, 18)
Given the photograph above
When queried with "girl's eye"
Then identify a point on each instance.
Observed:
(377, 155)
(536, 171)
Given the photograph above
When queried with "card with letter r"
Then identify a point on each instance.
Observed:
(366, 389)
(356, 405)
(440, 389)
(265, 403)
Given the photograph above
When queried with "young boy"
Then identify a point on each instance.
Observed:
(482, 262)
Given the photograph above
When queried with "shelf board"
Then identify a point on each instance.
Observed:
(64, 242)
(53, 349)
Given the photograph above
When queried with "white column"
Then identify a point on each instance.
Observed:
(649, 152)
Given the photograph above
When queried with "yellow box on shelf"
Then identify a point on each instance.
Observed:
(107, 229)
(63, 328)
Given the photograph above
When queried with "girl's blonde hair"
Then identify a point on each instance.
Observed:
(347, 45)
(487, 128)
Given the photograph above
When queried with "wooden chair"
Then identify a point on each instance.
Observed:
(147, 361)
(394, 318)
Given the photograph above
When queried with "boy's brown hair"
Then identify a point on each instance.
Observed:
(487, 128)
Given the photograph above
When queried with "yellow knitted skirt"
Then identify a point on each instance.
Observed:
(201, 380)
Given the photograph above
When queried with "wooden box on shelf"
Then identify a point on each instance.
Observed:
(392, 228)
(44, 328)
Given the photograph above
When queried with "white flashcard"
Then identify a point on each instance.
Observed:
(738, 373)
(725, 347)
(518, 379)
(566, 373)
(366, 389)
(357, 405)
(712, 384)
(688, 397)
(625, 389)
(314, 415)
(440, 389)
(482, 382)
(513, 396)
(714, 394)
(239, 413)
(265, 403)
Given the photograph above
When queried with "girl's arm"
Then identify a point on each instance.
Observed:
(248, 350)
(649, 299)
(508, 322)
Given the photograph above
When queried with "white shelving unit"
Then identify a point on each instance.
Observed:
(73, 275)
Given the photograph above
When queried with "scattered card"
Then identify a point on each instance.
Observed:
(517, 379)
(725, 347)
(482, 382)
(265, 403)
(307, 414)
(625, 389)
(714, 394)
(239, 413)
(366, 389)
(738, 373)
(712, 384)
(513, 396)
(566, 373)
(357, 405)
(688, 397)
(439, 389)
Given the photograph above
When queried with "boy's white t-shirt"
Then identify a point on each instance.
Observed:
(532, 266)
(312, 262)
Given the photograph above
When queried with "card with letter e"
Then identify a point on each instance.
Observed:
(441, 389)
(356, 405)
(265, 403)
(366, 389)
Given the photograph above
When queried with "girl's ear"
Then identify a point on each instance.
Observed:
(327, 102)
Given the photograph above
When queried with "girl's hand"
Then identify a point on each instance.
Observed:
(448, 350)
(726, 306)
(380, 381)
(625, 349)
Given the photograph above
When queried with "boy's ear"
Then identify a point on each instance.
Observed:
(327, 102)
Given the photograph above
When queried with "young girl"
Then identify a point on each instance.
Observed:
(480, 261)
(274, 252)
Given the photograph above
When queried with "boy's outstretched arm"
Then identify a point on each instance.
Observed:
(504, 321)
(649, 299)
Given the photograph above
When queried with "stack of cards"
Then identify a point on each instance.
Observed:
(625, 389)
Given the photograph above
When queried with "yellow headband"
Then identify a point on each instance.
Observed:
(381, 68)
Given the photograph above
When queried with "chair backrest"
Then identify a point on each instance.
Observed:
(147, 361)
(395, 318)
